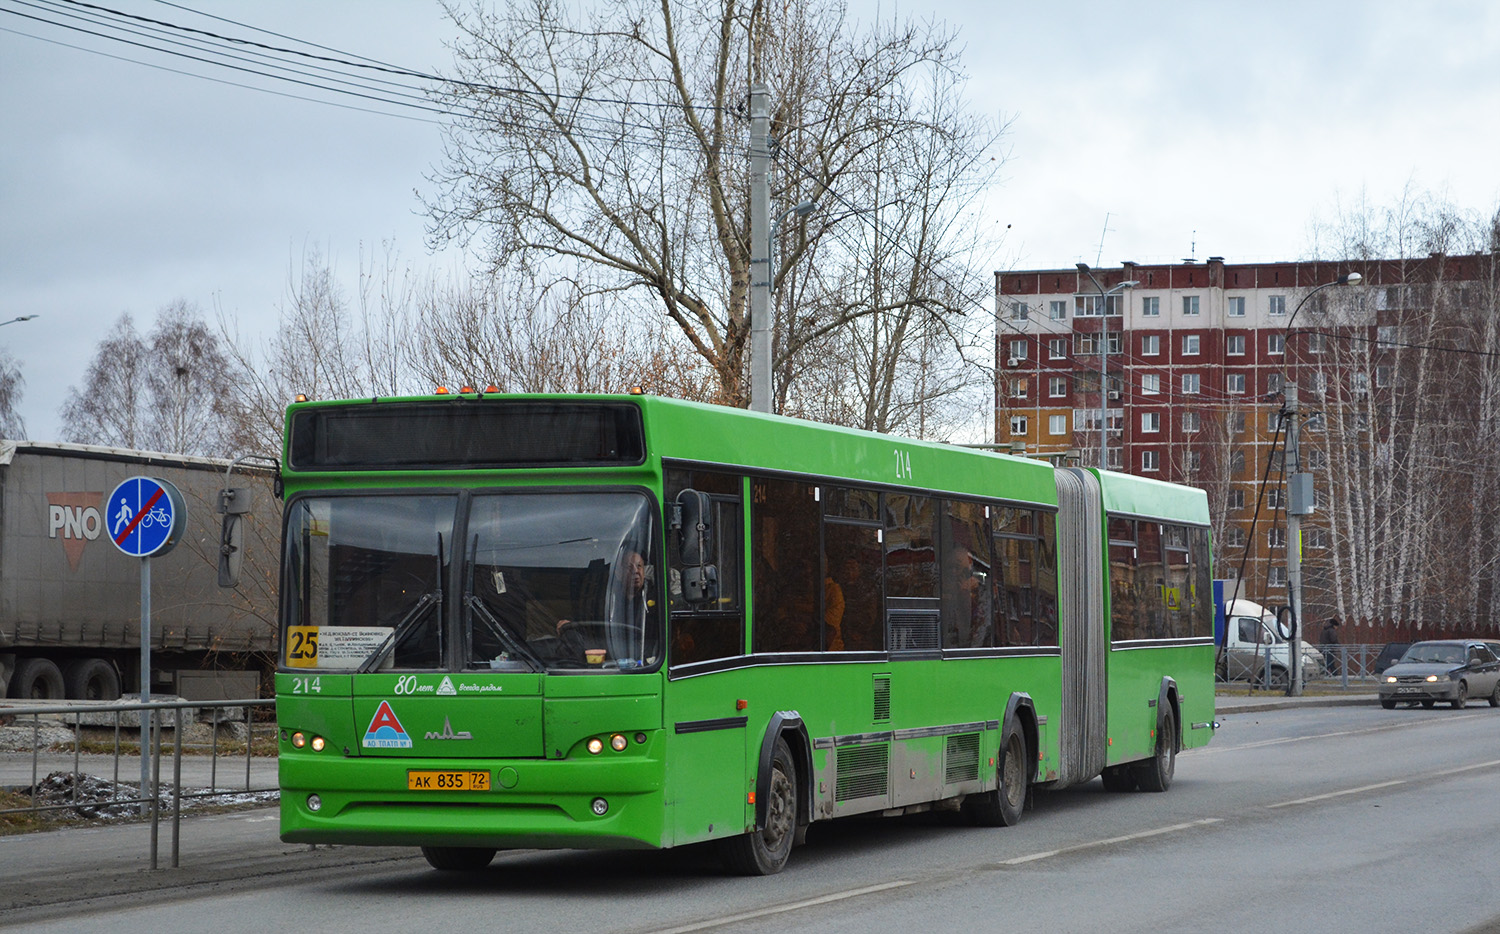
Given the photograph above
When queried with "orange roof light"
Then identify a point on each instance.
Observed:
(492, 388)
(467, 389)
(300, 397)
(441, 391)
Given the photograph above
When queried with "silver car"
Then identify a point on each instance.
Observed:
(1451, 670)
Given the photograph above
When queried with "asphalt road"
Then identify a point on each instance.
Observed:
(1312, 819)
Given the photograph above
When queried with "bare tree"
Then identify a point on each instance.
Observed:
(11, 384)
(611, 146)
(166, 391)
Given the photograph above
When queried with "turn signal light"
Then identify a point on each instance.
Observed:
(618, 742)
(298, 740)
(318, 743)
(596, 745)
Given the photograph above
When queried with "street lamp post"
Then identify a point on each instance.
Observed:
(14, 320)
(1104, 355)
(1299, 492)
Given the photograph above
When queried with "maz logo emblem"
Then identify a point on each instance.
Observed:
(448, 733)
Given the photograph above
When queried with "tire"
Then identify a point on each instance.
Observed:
(1495, 695)
(1389, 703)
(37, 679)
(1004, 806)
(1156, 773)
(1279, 678)
(1462, 699)
(765, 852)
(92, 679)
(1118, 778)
(458, 858)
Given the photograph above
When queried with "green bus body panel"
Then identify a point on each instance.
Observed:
(689, 769)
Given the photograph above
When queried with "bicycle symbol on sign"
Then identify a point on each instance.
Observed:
(157, 516)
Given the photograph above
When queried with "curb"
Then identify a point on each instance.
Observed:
(1256, 705)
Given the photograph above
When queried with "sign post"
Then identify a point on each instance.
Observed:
(145, 516)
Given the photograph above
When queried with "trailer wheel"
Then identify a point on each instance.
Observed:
(37, 679)
(92, 679)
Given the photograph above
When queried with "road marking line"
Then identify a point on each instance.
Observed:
(780, 909)
(1467, 768)
(1047, 854)
(1336, 794)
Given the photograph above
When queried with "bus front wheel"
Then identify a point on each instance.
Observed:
(458, 858)
(1155, 774)
(1003, 806)
(764, 852)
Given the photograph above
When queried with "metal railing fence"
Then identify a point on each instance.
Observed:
(1346, 666)
(162, 713)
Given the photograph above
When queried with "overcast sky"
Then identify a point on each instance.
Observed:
(1199, 129)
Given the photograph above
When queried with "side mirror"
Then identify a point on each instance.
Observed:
(693, 520)
(233, 504)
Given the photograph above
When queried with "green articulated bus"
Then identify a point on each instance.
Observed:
(621, 621)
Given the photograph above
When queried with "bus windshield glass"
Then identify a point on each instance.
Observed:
(561, 581)
(552, 581)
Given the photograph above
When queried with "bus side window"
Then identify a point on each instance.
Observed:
(784, 532)
(709, 630)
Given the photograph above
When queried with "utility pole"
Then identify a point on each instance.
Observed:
(760, 248)
(1299, 503)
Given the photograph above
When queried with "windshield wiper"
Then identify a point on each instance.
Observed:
(497, 629)
(408, 622)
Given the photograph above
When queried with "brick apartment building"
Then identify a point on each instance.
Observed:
(1196, 357)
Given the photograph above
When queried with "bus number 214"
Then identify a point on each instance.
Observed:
(903, 465)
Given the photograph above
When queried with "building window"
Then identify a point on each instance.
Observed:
(1019, 311)
(1189, 422)
(1190, 345)
(1150, 345)
(1315, 538)
(1237, 307)
(1150, 384)
(1018, 388)
(1189, 306)
(1237, 462)
(1057, 386)
(1275, 498)
(1274, 382)
(1360, 383)
(1018, 424)
(1237, 422)
(1276, 536)
(1057, 424)
(1194, 461)
(1234, 537)
(1150, 421)
(1150, 307)
(1382, 377)
(1316, 459)
(1234, 383)
(1275, 344)
(1017, 350)
(1277, 304)
(1319, 383)
(1057, 311)
(1088, 306)
(1386, 336)
(1190, 384)
(1277, 577)
(1148, 461)
(1114, 459)
(1236, 499)
(1316, 343)
(1057, 348)
(1234, 345)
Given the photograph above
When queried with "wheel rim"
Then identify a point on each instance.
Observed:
(1013, 777)
(1169, 750)
(780, 811)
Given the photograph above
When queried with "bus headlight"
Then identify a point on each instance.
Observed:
(314, 803)
(618, 742)
(596, 745)
(298, 740)
(318, 743)
(600, 807)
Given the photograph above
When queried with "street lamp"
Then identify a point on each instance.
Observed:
(1299, 490)
(14, 320)
(1104, 355)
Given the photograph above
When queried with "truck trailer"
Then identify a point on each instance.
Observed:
(70, 609)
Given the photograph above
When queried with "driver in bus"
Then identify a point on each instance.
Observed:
(626, 612)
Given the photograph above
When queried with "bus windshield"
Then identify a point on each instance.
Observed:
(561, 580)
(554, 581)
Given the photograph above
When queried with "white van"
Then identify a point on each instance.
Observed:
(1249, 634)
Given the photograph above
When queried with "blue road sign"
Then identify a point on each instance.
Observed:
(145, 516)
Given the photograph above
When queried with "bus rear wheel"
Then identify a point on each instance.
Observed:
(458, 858)
(764, 852)
(1004, 806)
(1155, 774)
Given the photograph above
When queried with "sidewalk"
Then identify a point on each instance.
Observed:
(1241, 701)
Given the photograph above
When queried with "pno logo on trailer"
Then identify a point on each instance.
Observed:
(77, 519)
